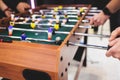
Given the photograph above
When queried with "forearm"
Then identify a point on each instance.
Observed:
(3, 6)
(113, 6)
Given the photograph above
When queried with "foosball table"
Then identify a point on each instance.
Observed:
(40, 45)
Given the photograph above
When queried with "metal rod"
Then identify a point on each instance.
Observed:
(92, 35)
(94, 11)
(70, 43)
(89, 45)
(27, 39)
(85, 8)
(67, 10)
(30, 30)
(62, 32)
(64, 25)
(70, 20)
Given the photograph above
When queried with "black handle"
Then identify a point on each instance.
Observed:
(111, 46)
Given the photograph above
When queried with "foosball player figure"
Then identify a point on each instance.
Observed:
(50, 21)
(55, 9)
(60, 12)
(50, 32)
(79, 14)
(12, 23)
(54, 15)
(65, 14)
(76, 8)
(79, 17)
(82, 10)
(12, 20)
(23, 36)
(60, 7)
(1, 40)
(42, 14)
(32, 24)
(57, 25)
(30, 11)
(67, 20)
(10, 30)
(64, 21)
(12, 17)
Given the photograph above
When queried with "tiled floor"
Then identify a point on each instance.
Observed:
(99, 66)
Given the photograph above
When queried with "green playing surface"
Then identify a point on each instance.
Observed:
(34, 36)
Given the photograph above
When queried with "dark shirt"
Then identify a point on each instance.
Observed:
(40, 2)
(97, 3)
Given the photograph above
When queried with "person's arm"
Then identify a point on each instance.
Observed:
(11, 4)
(113, 6)
(115, 34)
(100, 18)
(114, 42)
(5, 8)
(114, 51)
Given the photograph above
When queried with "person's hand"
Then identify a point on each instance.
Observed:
(114, 51)
(98, 19)
(22, 6)
(115, 34)
(114, 42)
(8, 12)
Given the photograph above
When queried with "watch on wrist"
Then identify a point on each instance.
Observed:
(106, 11)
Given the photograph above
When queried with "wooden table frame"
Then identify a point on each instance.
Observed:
(17, 58)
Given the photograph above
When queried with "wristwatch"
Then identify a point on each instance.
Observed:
(106, 11)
